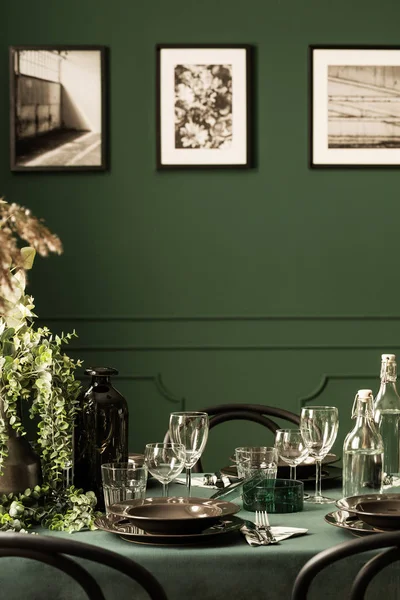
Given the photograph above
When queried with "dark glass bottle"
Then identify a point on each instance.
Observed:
(101, 431)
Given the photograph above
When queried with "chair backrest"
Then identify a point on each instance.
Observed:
(360, 584)
(52, 551)
(258, 413)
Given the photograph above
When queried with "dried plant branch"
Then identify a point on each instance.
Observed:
(17, 223)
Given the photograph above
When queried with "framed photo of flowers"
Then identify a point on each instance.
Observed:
(203, 106)
(354, 106)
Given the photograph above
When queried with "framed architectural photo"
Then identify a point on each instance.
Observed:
(203, 106)
(58, 112)
(354, 106)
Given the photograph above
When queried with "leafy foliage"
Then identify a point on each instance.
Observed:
(33, 367)
(71, 511)
(17, 223)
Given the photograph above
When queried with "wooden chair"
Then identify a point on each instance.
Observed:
(324, 559)
(52, 551)
(258, 413)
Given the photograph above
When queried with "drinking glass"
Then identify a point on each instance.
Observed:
(122, 481)
(165, 461)
(253, 459)
(191, 430)
(319, 426)
(291, 448)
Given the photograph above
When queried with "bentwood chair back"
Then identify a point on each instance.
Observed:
(257, 413)
(315, 565)
(53, 551)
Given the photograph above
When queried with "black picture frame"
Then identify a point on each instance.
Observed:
(247, 117)
(342, 147)
(27, 149)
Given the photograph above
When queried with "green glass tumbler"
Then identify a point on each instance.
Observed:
(274, 496)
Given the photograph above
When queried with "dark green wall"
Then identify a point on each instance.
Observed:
(207, 252)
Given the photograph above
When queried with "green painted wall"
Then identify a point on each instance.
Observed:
(189, 259)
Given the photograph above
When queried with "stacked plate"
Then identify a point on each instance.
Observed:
(175, 520)
(367, 513)
(305, 470)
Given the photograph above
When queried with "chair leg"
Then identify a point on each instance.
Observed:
(63, 563)
(370, 569)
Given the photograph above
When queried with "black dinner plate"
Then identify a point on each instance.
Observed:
(175, 514)
(329, 473)
(349, 522)
(130, 533)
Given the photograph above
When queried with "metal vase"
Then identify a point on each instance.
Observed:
(21, 468)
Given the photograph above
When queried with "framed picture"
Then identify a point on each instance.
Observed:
(203, 106)
(355, 106)
(58, 109)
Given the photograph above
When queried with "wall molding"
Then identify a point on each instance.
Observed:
(327, 377)
(233, 347)
(212, 318)
(156, 380)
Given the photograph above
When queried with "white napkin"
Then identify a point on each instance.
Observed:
(196, 482)
(282, 533)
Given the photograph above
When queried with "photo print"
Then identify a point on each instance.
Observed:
(57, 108)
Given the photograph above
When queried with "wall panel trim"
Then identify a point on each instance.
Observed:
(212, 318)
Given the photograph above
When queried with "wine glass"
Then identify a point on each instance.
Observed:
(191, 430)
(291, 448)
(319, 426)
(165, 461)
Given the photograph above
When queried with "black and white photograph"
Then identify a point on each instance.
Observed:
(58, 108)
(355, 116)
(203, 106)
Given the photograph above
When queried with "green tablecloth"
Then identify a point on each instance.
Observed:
(227, 571)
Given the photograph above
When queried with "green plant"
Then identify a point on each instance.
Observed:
(17, 223)
(33, 368)
(73, 510)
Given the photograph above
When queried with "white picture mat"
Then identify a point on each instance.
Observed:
(169, 58)
(322, 59)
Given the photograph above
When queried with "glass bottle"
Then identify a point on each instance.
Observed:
(363, 450)
(101, 431)
(387, 417)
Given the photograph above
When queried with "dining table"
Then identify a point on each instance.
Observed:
(223, 568)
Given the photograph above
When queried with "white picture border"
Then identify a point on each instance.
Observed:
(320, 59)
(238, 153)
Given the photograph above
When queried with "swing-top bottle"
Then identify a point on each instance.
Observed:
(387, 419)
(363, 450)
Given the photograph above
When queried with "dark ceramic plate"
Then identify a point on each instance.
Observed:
(349, 522)
(351, 502)
(380, 514)
(329, 473)
(174, 515)
(131, 533)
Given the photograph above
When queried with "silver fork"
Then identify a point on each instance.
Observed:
(262, 524)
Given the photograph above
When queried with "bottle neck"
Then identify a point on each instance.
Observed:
(101, 380)
(363, 410)
(388, 372)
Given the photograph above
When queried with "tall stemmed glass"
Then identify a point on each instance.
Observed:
(291, 448)
(165, 461)
(319, 426)
(191, 430)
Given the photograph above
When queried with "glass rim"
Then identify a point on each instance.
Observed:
(297, 429)
(165, 445)
(255, 448)
(123, 466)
(181, 413)
(319, 407)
